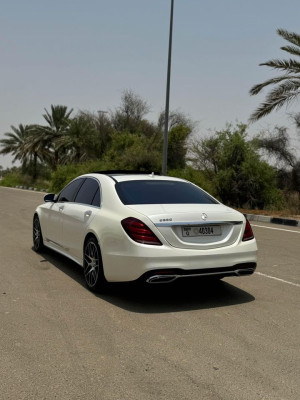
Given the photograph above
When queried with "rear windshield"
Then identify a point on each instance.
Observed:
(161, 192)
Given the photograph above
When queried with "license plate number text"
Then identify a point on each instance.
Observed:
(206, 230)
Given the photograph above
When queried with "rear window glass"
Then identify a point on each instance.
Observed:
(161, 192)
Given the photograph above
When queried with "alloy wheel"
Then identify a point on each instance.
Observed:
(91, 264)
(37, 235)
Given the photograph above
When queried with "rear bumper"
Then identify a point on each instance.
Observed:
(169, 275)
(138, 261)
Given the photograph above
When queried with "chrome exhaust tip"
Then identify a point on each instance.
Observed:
(161, 278)
(242, 272)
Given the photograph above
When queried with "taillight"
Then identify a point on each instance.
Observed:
(248, 233)
(139, 232)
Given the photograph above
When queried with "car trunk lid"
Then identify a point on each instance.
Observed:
(194, 226)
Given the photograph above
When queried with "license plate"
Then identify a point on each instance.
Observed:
(204, 230)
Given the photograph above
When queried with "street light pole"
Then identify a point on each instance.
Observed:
(165, 150)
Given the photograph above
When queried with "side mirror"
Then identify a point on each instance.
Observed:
(50, 197)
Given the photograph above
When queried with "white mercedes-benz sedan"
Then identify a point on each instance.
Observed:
(129, 226)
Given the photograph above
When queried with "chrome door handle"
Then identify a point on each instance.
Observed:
(88, 213)
(61, 208)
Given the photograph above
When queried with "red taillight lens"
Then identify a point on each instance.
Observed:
(248, 233)
(139, 232)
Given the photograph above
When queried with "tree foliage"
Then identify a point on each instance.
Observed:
(227, 164)
(234, 166)
(129, 115)
(176, 118)
(287, 86)
(277, 148)
(277, 144)
(177, 146)
(123, 138)
(48, 137)
(136, 152)
(16, 141)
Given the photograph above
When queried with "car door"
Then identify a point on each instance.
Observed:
(78, 216)
(54, 217)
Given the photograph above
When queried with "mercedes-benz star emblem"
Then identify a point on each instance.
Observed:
(204, 216)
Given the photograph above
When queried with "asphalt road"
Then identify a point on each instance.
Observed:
(238, 339)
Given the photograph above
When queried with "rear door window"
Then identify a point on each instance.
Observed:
(87, 192)
(96, 199)
(70, 191)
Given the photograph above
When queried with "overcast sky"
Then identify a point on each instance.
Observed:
(84, 53)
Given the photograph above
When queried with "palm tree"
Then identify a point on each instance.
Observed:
(22, 144)
(37, 150)
(287, 86)
(48, 136)
(77, 143)
(58, 119)
(16, 143)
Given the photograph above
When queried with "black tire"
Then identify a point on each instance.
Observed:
(38, 243)
(93, 267)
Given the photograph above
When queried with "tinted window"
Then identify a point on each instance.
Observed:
(96, 199)
(87, 191)
(70, 191)
(162, 192)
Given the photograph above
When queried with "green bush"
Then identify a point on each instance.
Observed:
(17, 178)
(235, 169)
(177, 146)
(133, 152)
(66, 173)
(14, 179)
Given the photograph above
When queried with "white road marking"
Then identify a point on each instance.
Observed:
(278, 279)
(276, 229)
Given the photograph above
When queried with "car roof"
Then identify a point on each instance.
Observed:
(122, 176)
